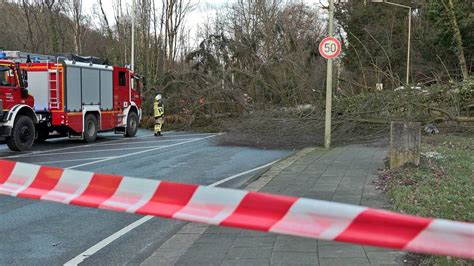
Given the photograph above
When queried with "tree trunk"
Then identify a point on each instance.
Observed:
(457, 39)
(27, 11)
(50, 5)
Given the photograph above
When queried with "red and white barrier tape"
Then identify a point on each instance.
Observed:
(237, 208)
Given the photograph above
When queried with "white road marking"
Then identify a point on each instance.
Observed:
(142, 142)
(243, 173)
(102, 244)
(93, 151)
(63, 149)
(53, 150)
(139, 152)
(46, 153)
(188, 135)
(99, 143)
(91, 251)
(73, 160)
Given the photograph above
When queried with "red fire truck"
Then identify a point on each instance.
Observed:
(72, 98)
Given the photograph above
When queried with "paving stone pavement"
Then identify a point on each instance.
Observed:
(343, 174)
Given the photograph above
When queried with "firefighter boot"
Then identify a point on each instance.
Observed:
(157, 129)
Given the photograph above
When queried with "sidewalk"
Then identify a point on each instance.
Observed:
(343, 174)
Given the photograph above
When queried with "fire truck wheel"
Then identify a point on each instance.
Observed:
(23, 134)
(132, 124)
(90, 128)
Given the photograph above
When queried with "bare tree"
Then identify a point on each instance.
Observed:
(175, 12)
(449, 6)
(106, 20)
(75, 8)
(27, 9)
(53, 9)
(121, 32)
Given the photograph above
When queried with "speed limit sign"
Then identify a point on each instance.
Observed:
(330, 47)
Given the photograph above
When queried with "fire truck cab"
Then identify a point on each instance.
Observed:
(76, 97)
(17, 117)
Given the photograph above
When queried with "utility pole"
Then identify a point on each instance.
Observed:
(409, 47)
(327, 127)
(132, 63)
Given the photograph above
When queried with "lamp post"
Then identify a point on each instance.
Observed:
(132, 65)
(327, 124)
(409, 32)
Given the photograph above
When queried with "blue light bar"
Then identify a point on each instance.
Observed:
(3, 55)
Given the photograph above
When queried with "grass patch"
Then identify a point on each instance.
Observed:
(442, 186)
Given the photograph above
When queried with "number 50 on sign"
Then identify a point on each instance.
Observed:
(330, 47)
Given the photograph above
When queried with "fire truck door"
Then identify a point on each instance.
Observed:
(8, 85)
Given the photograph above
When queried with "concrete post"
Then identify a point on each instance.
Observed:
(405, 143)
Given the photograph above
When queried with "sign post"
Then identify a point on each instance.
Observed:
(329, 48)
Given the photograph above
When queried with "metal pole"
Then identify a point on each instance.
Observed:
(409, 46)
(409, 35)
(327, 126)
(132, 65)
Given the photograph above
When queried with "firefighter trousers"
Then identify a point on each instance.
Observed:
(158, 123)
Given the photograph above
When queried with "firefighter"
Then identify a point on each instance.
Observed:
(159, 111)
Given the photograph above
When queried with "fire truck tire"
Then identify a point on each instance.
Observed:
(90, 128)
(132, 125)
(23, 134)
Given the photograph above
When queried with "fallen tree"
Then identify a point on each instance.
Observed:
(206, 102)
(361, 117)
(437, 103)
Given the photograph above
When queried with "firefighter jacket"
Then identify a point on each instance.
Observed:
(158, 109)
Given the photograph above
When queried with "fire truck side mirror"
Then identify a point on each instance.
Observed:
(24, 74)
(24, 79)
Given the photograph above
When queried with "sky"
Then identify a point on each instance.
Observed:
(197, 16)
(202, 11)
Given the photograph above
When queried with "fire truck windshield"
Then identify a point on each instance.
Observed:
(7, 77)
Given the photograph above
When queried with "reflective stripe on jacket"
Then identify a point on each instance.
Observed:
(158, 109)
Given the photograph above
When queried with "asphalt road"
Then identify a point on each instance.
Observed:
(45, 233)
